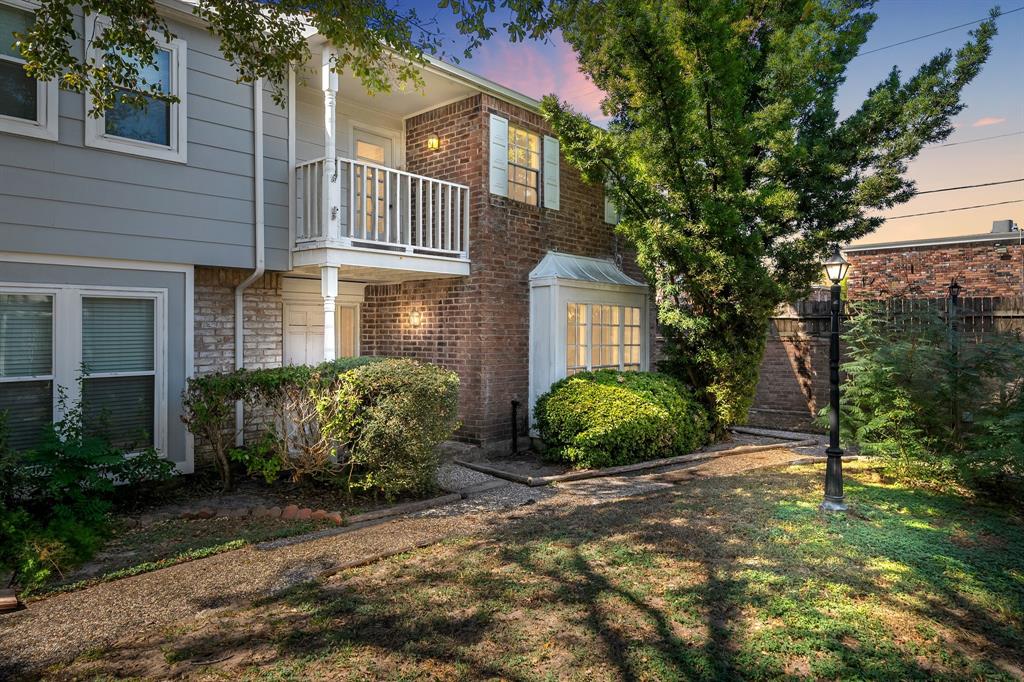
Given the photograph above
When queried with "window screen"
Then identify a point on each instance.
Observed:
(118, 354)
(26, 366)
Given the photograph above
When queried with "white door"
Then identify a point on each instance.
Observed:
(304, 333)
(375, 149)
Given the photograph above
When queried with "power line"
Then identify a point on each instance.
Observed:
(983, 184)
(945, 30)
(951, 210)
(977, 139)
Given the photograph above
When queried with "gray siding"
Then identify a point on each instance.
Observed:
(65, 198)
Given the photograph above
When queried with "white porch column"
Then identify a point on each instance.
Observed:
(329, 290)
(332, 193)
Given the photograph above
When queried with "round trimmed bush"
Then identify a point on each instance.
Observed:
(607, 418)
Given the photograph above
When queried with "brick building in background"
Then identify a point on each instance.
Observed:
(989, 268)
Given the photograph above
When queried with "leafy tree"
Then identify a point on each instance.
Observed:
(377, 42)
(726, 155)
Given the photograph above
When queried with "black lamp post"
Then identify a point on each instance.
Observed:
(836, 268)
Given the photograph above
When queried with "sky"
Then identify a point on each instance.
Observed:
(995, 105)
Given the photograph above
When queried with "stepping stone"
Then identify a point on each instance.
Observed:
(8, 601)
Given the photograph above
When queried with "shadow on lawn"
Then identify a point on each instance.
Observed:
(716, 581)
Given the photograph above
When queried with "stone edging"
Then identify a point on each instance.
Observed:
(627, 468)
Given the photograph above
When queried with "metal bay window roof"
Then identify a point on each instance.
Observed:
(581, 269)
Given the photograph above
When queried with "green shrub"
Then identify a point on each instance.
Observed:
(281, 395)
(935, 411)
(607, 418)
(55, 499)
(366, 423)
(397, 413)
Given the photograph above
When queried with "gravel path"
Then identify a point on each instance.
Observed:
(65, 625)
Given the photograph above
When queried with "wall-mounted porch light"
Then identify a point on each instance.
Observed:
(433, 141)
(415, 319)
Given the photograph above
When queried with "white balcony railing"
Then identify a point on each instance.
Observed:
(364, 205)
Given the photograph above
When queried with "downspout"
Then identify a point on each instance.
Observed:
(258, 228)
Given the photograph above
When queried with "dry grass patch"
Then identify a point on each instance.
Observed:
(738, 577)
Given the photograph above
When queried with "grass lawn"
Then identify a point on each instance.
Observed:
(733, 577)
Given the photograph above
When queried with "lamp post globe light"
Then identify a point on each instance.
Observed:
(836, 268)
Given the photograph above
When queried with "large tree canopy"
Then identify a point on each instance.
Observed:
(377, 40)
(733, 172)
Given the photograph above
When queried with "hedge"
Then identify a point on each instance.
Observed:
(368, 423)
(607, 418)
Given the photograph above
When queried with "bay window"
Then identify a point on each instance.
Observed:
(27, 106)
(102, 346)
(585, 314)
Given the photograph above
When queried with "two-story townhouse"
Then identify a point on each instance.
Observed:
(225, 231)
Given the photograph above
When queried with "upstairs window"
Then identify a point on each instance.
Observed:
(27, 106)
(523, 165)
(158, 128)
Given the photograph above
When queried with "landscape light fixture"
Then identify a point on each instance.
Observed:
(836, 268)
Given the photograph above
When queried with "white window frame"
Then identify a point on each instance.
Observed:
(67, 343)
(96, 128)
(590, 344)
(45, 126)
(539, 170)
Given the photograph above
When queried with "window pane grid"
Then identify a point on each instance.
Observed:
(576, 342)
(611, 333)
(523, 165)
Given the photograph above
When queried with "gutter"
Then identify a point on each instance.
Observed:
(260, 234)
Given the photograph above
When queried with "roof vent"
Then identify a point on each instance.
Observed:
(1002, 226)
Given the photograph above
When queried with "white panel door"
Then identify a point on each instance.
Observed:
(304, 333)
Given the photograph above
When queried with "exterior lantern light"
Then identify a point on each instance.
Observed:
(415, 319)
(836, 268)
(433, 141)
(954, 290)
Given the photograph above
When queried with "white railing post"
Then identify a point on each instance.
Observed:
(331, 188)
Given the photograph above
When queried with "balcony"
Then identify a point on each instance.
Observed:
(379, 224)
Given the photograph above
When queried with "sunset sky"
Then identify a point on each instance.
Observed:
(995, 105)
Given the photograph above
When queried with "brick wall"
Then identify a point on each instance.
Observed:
(793, 381)
(981, 268)
(215, 320)
(479, 326)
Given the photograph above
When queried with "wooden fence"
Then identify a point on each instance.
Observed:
(793, 383)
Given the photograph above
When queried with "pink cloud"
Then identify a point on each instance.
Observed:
(988, 121)
(537, 69)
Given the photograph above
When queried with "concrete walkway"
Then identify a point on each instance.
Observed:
(64, 626)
